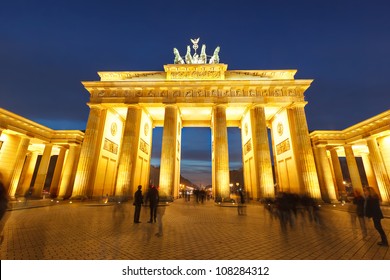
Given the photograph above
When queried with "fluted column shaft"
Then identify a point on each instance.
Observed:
(327, 174)
(338, 173)
(380, 170)
(27, 173)
(42, 171)
(221, 153)
(57, 172)
(370, 174)
(353, 168)
(303, 151)
(68, 174)
(129, 148)
(88, 157)
(261, 153)
(168, 151)
(19, 162)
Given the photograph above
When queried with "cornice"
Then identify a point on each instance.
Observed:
(376, 125)
(24, 127)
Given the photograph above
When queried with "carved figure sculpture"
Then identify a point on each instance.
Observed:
(188, 56)
(178, 59)
(215, 58)
(203, 56)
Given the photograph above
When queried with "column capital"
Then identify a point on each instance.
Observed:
(169, 105)
(257, 106)
(136, 106)
(369, 137)
(301, 104)
(220, 105)
(94, 106)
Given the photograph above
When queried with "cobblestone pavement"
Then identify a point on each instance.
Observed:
(87, 231)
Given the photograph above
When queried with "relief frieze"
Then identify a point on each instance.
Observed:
(283, 147)
(120, 76)
(288, 74)
(248, 146)
(143, 146)
(110, 146)
(200, 92)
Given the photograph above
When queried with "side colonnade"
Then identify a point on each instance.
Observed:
(365, 150)
(36, 161)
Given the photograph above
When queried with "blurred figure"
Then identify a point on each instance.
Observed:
(3, 207)
(283, 203)
(373, 210)
(241, 203)
(28, 195)
(160, 213)
(357, 212)
(118, 207)
(138, 201)
(152, 197)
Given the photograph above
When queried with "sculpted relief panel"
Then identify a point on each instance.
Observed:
(200, 92)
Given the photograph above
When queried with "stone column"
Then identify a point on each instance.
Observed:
(380, 170)
(128, 155)
(327, 174)
(261, 153)
(19, 162)
(27, 173)
(57, 172)
(42, 171)
(369, 172)
(86, 169)
(68, 173)
(221, 153)
(303, 150)
(384, 150)
(168, 151)
(353, 168)
(338, 173)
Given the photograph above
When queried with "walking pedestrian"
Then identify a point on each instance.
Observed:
(160, 214)
(373, 210)
(138, 201)
(152, 198)
(241, 202)
(357, 212)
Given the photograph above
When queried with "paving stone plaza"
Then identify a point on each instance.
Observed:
(46, 230)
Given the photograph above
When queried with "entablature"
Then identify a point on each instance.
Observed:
(197, 72)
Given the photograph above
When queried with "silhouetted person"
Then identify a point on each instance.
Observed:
(241, 202)
(358, 212)
(3, 207)
(373, 210)
(152, 198)
(138, 201)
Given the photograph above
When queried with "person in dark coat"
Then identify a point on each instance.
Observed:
(373, 210)
(152, 198)
(138, 201)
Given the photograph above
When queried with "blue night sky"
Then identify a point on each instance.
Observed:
(48, 47)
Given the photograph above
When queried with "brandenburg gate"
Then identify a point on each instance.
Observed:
(196, 91)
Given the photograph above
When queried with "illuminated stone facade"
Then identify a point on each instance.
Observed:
(36, 159)
(113, 156)
(196, 95)
(369, 141)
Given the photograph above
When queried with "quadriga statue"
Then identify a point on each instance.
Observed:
(215, 58)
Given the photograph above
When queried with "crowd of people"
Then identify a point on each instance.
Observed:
(288, 208)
